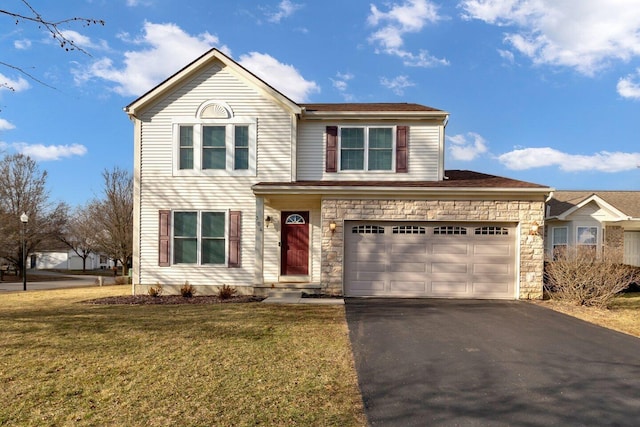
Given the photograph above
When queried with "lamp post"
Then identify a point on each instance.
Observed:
(24, 219)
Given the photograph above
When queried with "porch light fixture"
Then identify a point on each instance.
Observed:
(534, 229)
(332, 226)
(268, 221)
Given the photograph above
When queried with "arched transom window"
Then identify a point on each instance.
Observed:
(294, 219)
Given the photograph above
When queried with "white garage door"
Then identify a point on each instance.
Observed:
(632, 248)
(410, 259)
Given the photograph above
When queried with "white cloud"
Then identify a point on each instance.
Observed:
(83, 41)
(42, 152)
(629, 87)
(23, 44)
(165, 49)
(15, 85)
(133, 3)
(286, 8)
(399, 20)
(397, 84)
(341, 82)
(604, 161)
(283, 77)
(6, 125)
(585, 35)
(466, 147)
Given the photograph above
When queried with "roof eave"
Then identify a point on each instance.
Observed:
(367, 115)
(266, 189)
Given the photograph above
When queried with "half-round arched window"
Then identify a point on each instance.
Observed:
(214, 110)
(294, 219)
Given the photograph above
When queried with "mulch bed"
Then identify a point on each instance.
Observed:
(173, 300)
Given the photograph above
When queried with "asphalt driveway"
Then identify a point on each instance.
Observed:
(490, 363)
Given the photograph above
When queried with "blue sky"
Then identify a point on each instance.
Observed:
(545, 91)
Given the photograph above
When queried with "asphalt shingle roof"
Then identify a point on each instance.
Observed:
(627, 202)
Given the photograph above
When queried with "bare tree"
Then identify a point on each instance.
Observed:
(23, 189)
(53, 27)
(80, 234)
(113, 216)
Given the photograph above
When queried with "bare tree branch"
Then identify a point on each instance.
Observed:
(53, 27)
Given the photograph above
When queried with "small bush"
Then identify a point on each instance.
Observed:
(155, 291)
(584, 277)
(187, 290)
(226, 292)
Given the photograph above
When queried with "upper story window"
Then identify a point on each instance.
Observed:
(366, 148)
(215, 142)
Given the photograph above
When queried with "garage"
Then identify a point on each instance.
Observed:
(430, 259)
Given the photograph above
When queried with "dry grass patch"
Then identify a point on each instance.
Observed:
(623, 314)
(63, 362)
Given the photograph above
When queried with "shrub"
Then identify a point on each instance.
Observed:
(584, 277)
(226, 292)
(122, 280)
(187, 290)
(155, 291)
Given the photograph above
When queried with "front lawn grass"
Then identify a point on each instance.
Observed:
(623, 315)
(63, 362)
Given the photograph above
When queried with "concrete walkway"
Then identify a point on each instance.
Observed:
(300, 300)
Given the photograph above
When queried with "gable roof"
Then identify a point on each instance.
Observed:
(625, 203)
(196, 66)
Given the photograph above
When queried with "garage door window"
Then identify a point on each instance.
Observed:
(492, 231)
(408, 229)
(450, 230)
(367, 229)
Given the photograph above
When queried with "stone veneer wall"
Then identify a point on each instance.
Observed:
(523, 212)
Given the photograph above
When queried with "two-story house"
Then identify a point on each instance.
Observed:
(237, 184)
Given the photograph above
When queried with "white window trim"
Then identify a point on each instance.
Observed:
(199, 238)
(365, 169)
(230, 125)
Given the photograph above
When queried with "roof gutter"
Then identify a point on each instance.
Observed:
(266, 189)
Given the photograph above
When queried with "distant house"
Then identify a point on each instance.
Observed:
(236, 184)
(595, 219)
(66, 259)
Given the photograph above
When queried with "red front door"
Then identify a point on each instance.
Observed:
(295, 243)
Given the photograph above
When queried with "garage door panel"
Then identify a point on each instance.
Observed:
(449, 288)
(491, 268)
(490, 288)
(409, 267)
(448, 267)
(403, 286)
(367, 286)
(450, 248)
(492, 249)
(420, 259)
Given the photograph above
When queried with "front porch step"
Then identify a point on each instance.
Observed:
(292, 290)
(279, 293)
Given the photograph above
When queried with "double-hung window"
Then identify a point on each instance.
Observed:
(366, 148)
(559, 241)
(214, 151)
(215, 147)
(199, 237)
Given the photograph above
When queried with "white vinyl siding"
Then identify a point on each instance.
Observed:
(160, 189)
(424, 156)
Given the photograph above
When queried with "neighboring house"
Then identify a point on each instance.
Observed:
(237, 184)
(66, 259)
(595, 219)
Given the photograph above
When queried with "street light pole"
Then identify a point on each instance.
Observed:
(24, 219)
